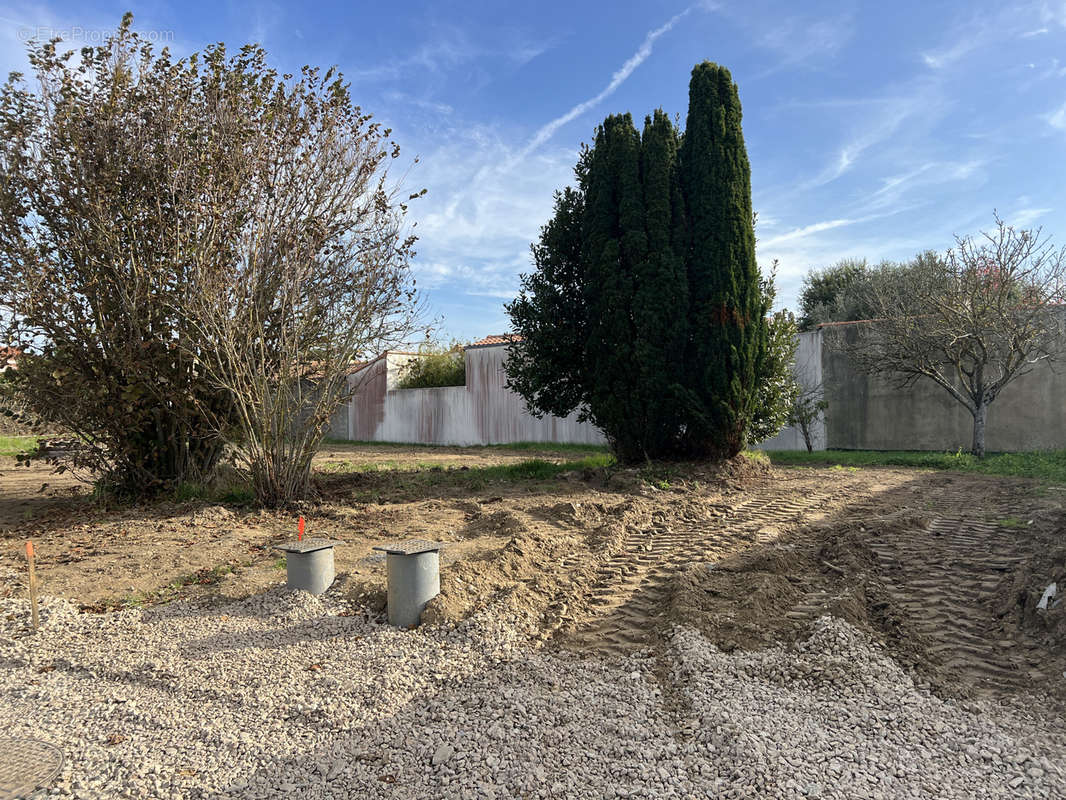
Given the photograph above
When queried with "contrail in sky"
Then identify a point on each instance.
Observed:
(619, 77)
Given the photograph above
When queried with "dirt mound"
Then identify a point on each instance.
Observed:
(550, 552)
(655, 577)
(1022, 592)
(954, 599)
(771, 594)
(740, 468)
(733, 608)
(498, 523)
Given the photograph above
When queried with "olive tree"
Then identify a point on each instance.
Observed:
(971, 321)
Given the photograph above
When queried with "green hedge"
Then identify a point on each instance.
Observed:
(434, 366)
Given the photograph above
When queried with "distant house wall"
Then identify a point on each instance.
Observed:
(483, 411)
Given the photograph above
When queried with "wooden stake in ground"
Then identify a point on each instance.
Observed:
(33, 584)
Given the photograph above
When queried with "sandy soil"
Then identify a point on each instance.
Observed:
(945, 569)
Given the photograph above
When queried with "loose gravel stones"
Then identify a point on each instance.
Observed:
(285, 694)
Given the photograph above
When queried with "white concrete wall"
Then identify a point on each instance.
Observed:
(809, 374)
(483, 411)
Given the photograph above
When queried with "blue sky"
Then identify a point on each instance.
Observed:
(874, 129)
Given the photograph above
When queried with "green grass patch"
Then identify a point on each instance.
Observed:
(1045, 465)
(553, 447)
(759, 456)
(229, 491)
(383, 481)
(11, 446)
(1011, 522)
(540, 469)
(529, 469)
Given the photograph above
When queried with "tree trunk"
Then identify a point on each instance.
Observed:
(980, 417)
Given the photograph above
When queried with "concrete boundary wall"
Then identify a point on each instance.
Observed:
(482, 412)
(874, 413)
(864, 413)
(809, 373)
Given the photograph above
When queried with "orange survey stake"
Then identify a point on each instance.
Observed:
(32, 585)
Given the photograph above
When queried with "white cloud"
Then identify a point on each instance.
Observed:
(954, 52)
(1024, 217)
(984, 30)
(422, 103)
(444, 52)
(1054, 11)
(794, 39)
(924, 176)
(489, 195)
(894, 112)
(1054, 69)
(799, 39)
(807, 230)
(1057, 119)
(483, 208)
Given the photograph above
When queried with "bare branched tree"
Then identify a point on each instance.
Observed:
(971, 321)
(320, 278)
(807, 406)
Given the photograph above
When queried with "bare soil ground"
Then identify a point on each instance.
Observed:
(945, 569)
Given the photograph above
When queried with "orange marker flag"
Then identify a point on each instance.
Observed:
(32, 584)
(300, 530)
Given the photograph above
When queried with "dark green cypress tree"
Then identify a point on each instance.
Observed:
(547, 367)
(646, 311)
(727, 336)
(615, 243)
(661, 291)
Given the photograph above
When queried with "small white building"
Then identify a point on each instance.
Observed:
(484, 411)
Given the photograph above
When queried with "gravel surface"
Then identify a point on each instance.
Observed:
(285, 694)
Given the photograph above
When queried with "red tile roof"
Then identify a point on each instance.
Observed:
(9, 358)
(503, 338)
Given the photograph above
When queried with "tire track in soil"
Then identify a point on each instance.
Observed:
(630, 591)
(942, 575)
(943, 579)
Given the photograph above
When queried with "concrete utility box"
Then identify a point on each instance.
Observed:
(309, 564)
(414, 579)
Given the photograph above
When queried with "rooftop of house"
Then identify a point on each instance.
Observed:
(495, 339)
(9, 358)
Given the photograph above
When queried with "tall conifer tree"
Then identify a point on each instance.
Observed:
(615, 243)
(646, 311)
(728, 330)
(661, 290)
